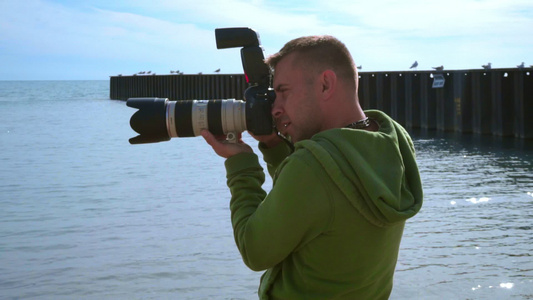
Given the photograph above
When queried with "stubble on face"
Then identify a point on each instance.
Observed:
(297, 88)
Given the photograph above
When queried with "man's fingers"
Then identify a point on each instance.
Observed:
(209, 137)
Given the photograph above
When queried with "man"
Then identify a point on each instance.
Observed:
(331, 226)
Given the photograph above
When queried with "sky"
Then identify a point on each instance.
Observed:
(95, 39)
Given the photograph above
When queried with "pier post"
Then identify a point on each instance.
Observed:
(384, 92)
(481, 103)
(445, 106)
(398, 97)
(523, 104)
(502, 95)
(462, 98)
(427, 106)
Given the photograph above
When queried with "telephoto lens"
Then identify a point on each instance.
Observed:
(159, 119)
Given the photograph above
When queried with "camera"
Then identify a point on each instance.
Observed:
(159, 119)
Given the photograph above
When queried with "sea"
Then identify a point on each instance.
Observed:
(86, 215)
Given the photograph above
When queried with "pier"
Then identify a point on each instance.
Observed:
(495, 102)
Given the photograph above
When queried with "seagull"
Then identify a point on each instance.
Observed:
(359, 67)
(171, 72)
(148, 72)
(217, 70)
(487, 66)
(414, 65)
(520, 66)
(439, 68)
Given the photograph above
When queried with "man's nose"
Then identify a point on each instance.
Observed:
(277, 110)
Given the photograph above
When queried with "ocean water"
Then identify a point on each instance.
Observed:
(86, 215)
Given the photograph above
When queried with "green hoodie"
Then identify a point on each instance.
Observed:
(331, 226)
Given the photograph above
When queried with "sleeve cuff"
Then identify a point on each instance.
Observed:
(241, 162)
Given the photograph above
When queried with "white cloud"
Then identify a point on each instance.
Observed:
(57, 31)
(165, 34)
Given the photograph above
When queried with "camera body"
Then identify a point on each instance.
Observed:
(159, 119)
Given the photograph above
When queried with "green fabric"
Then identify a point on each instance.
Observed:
(331, 226)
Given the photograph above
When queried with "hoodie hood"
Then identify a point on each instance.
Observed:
(376, 171)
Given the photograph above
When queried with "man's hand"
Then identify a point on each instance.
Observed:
(224, 148)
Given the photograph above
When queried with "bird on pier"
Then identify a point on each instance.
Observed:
(217, 70)
(487, 66)
(521, 66)
(148, 72)
(439, 68)
(414, 65)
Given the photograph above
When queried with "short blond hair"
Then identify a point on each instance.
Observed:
(319, 53)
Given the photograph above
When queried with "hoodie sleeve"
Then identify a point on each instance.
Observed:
(267, 229)
(274, 156)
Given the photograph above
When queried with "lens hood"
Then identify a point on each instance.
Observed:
(149, 121)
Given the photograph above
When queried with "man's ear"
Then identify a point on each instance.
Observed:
(328, 83)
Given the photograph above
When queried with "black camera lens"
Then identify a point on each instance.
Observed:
(160, 119)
